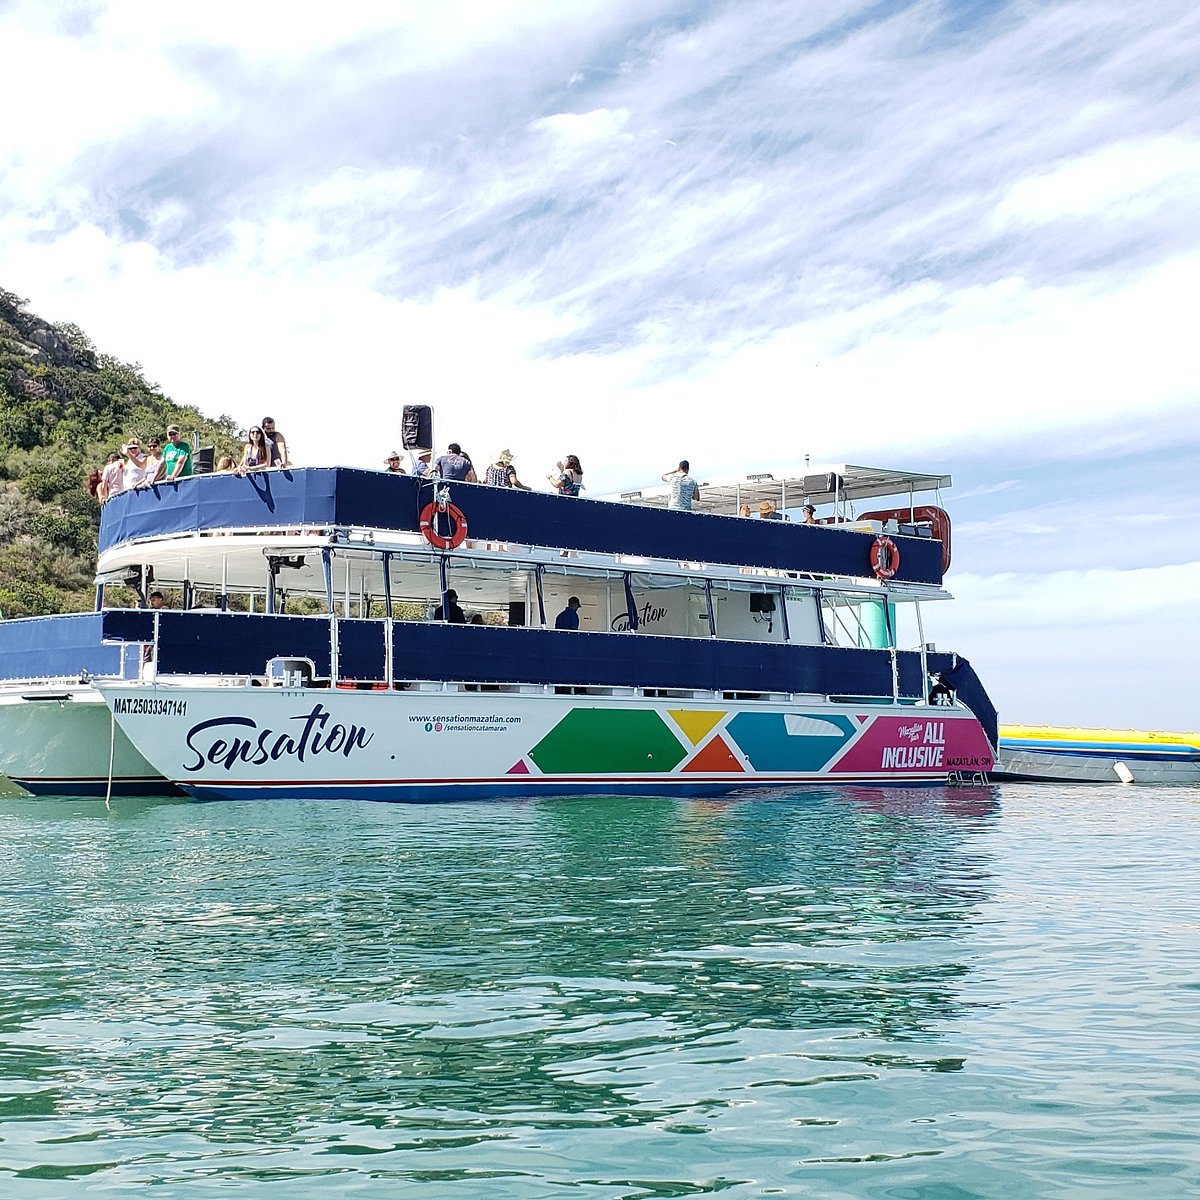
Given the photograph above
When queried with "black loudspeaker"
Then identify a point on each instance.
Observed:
(820, 485)
(416, 427)
(516, 612)
(762, 602)
(202, 460)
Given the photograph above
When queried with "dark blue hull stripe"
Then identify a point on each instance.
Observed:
(434, 792)
(98, 788)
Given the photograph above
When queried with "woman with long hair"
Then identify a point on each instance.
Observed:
(569, 479)
(256, 454)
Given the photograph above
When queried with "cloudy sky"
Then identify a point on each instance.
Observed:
(943, 236)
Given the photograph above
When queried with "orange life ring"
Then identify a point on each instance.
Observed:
(938, 520)
(436, 539)
(885, 557)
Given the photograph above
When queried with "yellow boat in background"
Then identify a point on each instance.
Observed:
(1072, 754)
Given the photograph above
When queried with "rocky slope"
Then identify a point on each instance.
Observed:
(63, 408)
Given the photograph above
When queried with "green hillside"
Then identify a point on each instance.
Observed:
(63, 408)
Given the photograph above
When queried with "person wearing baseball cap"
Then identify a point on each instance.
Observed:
(176, 456)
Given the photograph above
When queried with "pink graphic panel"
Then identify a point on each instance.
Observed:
(917, 746)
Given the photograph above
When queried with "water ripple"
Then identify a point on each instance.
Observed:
(922, 993)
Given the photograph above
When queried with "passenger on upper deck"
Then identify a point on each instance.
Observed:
(256, 454)
(421, 467)
(176, 456)
(112, 478)
(276, 444)
(766, 510)
(503, 474)
(808, 515)
(454, 466)
(569, 480)
(141, 470)
(393, 463)
(683, 487)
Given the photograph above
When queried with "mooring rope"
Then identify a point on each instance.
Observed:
(112, 753)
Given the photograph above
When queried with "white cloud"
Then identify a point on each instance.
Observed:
(581, 129)
(1119, 182)
(1096, 647)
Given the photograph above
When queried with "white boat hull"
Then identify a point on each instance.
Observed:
(426, 745)
(56, 741)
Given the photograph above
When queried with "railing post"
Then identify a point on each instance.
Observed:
(924, 653)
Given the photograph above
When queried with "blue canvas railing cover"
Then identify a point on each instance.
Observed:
(58, 647)
(340, 497)
(207, 643)
(243, 644)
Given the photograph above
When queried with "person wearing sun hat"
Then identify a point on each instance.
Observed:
(393, 463)
(503, 474)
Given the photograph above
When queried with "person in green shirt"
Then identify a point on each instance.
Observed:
(176, 456)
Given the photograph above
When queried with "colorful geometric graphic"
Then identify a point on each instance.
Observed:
(640, 741)
(695, 725)
(771, 747)
(714, 757)
(592, 741)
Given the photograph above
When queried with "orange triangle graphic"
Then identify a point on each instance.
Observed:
(716, 756)
(695, 725)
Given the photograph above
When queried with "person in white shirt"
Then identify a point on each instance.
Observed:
(683, 487)
(141, 469)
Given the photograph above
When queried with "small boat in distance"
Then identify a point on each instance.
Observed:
(1075, 755)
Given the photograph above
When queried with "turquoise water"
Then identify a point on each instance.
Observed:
(930, 993)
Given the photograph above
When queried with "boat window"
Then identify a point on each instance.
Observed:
(667, 605)
(857, 620)
(804, 623)
(601, 596)
(748, 613)
(488, 593)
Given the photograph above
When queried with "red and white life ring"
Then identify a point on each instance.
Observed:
(451, 512)
(938, 520)
(885, 557)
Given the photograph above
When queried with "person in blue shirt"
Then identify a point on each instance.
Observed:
(455, 466)
(569, 617)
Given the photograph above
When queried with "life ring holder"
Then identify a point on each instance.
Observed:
(885, 557)
(431, 535)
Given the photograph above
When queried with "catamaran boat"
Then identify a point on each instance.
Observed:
(350, 633)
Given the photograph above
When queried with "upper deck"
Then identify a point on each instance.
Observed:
(840, 486)
(341, 499)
